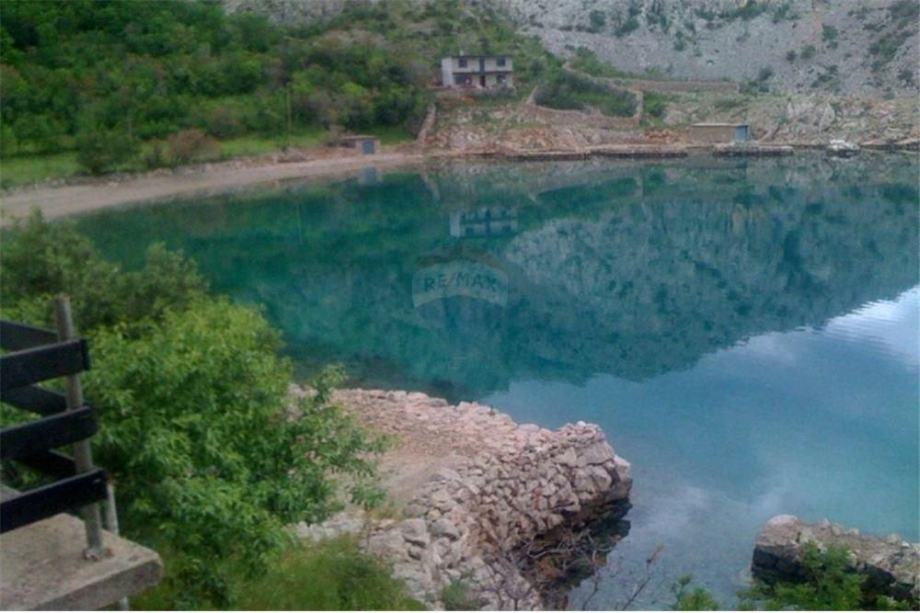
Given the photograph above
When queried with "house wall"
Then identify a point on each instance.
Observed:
(472, 65)
(447, 71)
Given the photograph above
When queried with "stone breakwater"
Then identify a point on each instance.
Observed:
(891, 565)
(476, 489)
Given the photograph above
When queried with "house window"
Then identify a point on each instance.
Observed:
(501, 61)
(462, 62)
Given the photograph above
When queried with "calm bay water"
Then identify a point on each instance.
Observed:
(745, 332)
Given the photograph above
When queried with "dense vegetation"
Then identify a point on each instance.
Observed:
(103, 76)
(569, 91)
(129, 85)
(193, 404)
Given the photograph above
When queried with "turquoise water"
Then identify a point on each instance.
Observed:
(745, 332)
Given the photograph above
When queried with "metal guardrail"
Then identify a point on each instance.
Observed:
(36, 355)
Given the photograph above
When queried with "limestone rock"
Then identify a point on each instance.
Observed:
(891, 565)
(503, 486)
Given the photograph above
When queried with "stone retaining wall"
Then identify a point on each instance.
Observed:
(892, 565)
(668, 87)
(595, 119)
(431, 116)
(498, 485)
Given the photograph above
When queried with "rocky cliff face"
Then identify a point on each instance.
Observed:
(851, 48)
(786, 45)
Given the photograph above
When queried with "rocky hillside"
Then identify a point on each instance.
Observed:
(847, 47)
(851, 48)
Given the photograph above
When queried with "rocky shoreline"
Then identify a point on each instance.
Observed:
(479, 495)
(891, 564)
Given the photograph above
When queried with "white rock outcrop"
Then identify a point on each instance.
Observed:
(495, 486)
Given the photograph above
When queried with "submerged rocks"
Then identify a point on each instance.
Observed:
(476, 489)
(891, 564)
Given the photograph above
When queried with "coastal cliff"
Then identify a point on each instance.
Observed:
(474, 491)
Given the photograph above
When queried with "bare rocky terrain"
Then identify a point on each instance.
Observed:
(480, 500)
(856, 48)
(868, 47)
(802, 71)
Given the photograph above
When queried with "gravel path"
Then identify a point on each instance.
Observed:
(59, 201)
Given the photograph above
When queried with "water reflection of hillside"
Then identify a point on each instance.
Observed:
(631, 270)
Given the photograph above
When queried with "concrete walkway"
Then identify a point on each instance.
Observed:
(42, 567)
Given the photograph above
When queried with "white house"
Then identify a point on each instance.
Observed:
(477, 71)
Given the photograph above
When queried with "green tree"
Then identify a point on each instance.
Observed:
(210, 459)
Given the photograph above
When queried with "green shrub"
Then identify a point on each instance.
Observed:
(192, 399)
(808, 52)
(829, 35)
(630, 25)
(783, 12)
(905, 13)
(791, 55)
(456, 597)
(597, 20)
(101, 150)
(656, 104)
(680, 43)
(887, 46)
(688, 598)
(567, 91)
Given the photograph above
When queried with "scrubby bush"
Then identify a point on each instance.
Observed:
(630, 25)
(567, 91)
(101, 149)
(655, 104)
(597, 20)
(456, 597)
(223, 122)
(190, 145)
(692, 598)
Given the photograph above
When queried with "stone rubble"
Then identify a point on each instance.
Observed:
(496, 486)
(891, 564)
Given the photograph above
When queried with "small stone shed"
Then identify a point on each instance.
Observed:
(719, 132)
(368, 145)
